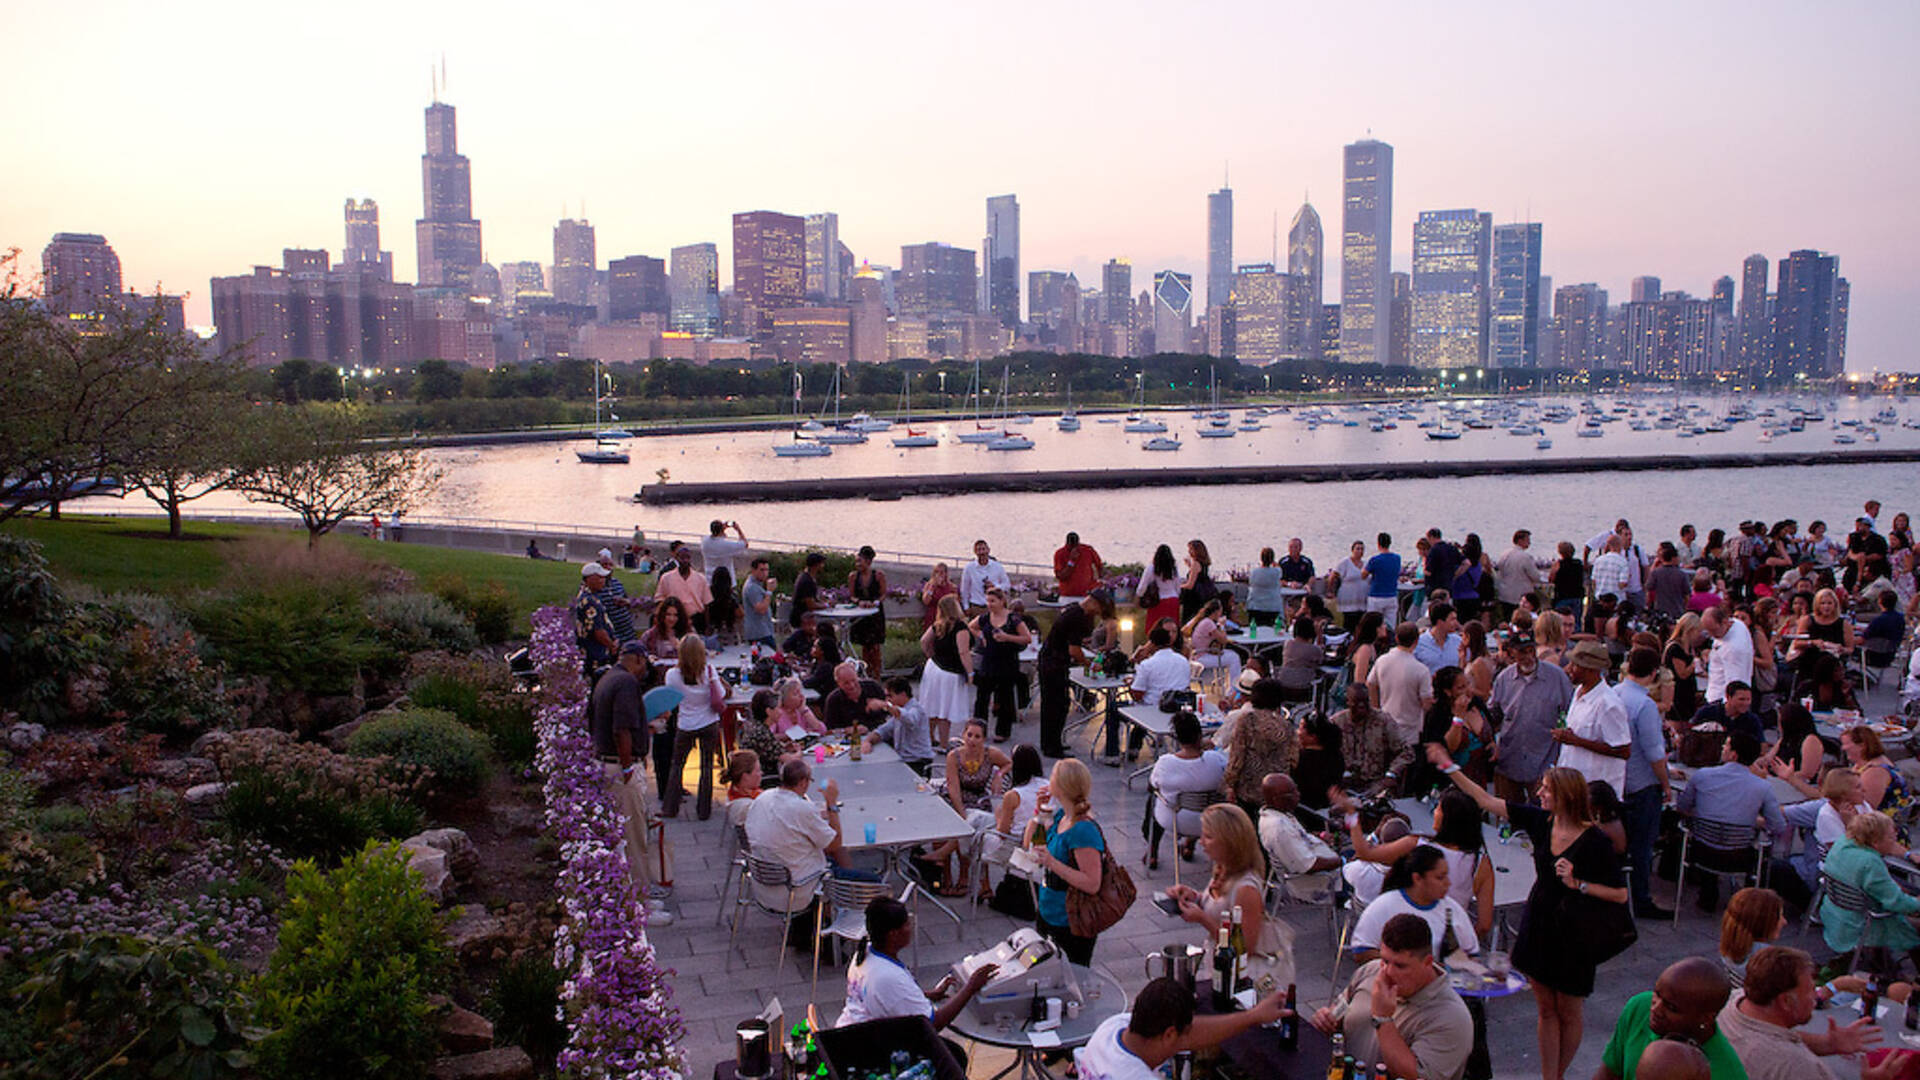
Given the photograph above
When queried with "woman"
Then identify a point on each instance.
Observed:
(1159, 590)
(1469, 585)
(691, 589)
(755, 734)
(940, 584)
(1192, 767)
(1320, 766)
(946, 683)
(1238, 883)
(1264, 603)
(1824, 635)
(1860, 860)
(1761, 626)
(1459, 720)
(972, 768)
(1260, 739)
(1457, 833)
(1550, 637)
(1881, 785)
(1576, 872)
(1026, 780)
(1800, 752)
(1347, 586)
(1067, 843)
(1197, 587)
(1369, 641)
(867, 587)
(1207, 645)
(1754, 919)
(1106, 625)
(1900, 532)
(1682, 653)
(1300, 660)
(703, 696)
(1713, 556)
(1419, 883)
(743, 786)
(826, 656)
(791, 711)
(1608, 813)
(1005, 634)
(662, 639)
(1704, 595)
(1569, 578)
(1480, 666)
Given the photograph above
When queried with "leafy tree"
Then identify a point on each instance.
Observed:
(290, 380)
(315, 461)
(323, 384)
(196, 446)
(435, 380)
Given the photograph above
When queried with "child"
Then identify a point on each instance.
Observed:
(906, 727)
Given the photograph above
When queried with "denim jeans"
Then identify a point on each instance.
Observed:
(1640, 816)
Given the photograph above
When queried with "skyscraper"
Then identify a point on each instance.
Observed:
(574, 262)
(1805, 316)
(1451, 249)
(694, 289)
(1172, 311)
(1516, 295)
(1116, 316)
(936, 279)
(1756, 324)
(1366, 253)
(1001, 260)
(1400, 319)
(1580, 324)
(80, 273)
(1219, 247)
(1306, 259)
(637, 286)
(1643, 290)
(825, 272)
(1723, 296)
(1053, 307)
(769, 260)
(447, 236)
(1262, 314)
(363, 239)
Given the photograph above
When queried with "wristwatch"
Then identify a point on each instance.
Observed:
(1583, 887)
(1380, 1021)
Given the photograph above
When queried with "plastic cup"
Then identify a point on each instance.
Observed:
(873, 832)
(819, 755)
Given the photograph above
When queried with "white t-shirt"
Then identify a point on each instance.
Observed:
(1106, 1058)
(1597, 714)
(880, 987)
(1730, 660)
(718, 551)
(1366, 932)
(1404, 684)
(696, 705)
(789, 829)
(1353, 585)
(1173, 774)
(1164, 670)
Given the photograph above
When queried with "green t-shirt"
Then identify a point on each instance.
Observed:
(1634, 1031)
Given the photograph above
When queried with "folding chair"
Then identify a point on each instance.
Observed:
(1348, 907)
(736, 875)
(994, 848)
(849, 900)
(1877, 959)
(1195, 801)
(766, 877)
(1724, 838)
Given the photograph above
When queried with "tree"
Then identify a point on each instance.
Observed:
(197, 446)
(436, 380)
(314, 460)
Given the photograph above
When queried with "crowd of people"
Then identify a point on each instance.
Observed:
(1597, 701)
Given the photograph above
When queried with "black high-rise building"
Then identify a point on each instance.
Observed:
(447, 235)
(636, 286)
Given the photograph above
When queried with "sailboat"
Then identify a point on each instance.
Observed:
(799, 447)
(1069, 420)
(1138, 424)
(1217, 425)
(912, 438)
(1005, 439)
(835, 435)
(606, 450)
(981, 433)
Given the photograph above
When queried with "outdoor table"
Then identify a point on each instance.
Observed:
(1157, 725)
(871, 777)
(1105, 685)
(1513, 872)
(1058, 603)
(1251, 639)
(845, 612)
(1104, 999)
(900, 821)
(1257, 1052)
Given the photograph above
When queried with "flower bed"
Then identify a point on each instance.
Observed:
(616, 999)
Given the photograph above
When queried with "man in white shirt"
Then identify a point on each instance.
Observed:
(1400, 685)
(1599, 543)
(1133, 1045)
(1731, 658)
(1610, 570)
(1306, 858)
(1689, 546)
(786, 828)
(1516, 573)
(717, 551)
(1440, 646)
(1637, 564)
(1599, 736)
(978, 575)
(1159, 671)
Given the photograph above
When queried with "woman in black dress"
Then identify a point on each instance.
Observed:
(1576, 874)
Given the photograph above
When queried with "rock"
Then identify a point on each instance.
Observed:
(336, 737)
(463, 858)
(506, 1063)
(203, 800)
(475, 934)
(431, 864)
(208, 745)
(332, 710)
(186, 772)
(25, 735)
(464, 1032)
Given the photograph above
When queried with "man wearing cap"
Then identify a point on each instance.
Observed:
(592, 623)
(1531, 697)
(614, 595)
(619, 716)
(1598, 736)
(1058, 654)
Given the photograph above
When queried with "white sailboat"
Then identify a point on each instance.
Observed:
(1137, 423)
(912, 438)
(800, 446)
(606, 449)
(981, 433)
(835, 435)
(1006, 439)
(1219, 424)
(1069, 420)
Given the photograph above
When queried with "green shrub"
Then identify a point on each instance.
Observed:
(347, 992)
(482, 693)
(524, 1006)
(411, 622)
(301, 635)
(452, 753)
(153, 677)
(43, 636)
(786, 566)
(489, 608)
(308, 801)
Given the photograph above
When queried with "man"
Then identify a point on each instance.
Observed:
(1763, 1023)
(1731, 658)
(1730, 793)
(853, 700)
(1596, 546)
(798, 645)
(1685, 999)
(1597, 739)
(1306, 858)
(618, 718)
(1059, 652)
(983, 572)
(614, 595)
(1376, 754)
(879, 986)
(1648, 787)
(1734, 713)
(1296, 570)
(1164, 668)
(784, 827)
(1400, 685)
(1399, 1010)
(1443, 561)
(1637, 563)
(1383, 578)
(1077, 567)
(592, 623)
(1516, 575)
(1870, 513)
(717, 552)
(756, 596)
(691, 589)
(806, 590)
(1440, 646)
(1671, 1059)
(1821, 822)
(1531, 697)
(1866, 555)
(1133, 1045)
(906, 727)
(1688, 547)
(1610, 570)
(1668, 586)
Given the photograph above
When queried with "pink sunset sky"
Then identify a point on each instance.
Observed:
(1670, 139)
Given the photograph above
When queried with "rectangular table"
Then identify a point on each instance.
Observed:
(1105, 685)
(1513, 872)
(900, 821)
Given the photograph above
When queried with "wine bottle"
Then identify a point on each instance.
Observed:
(1237, 937)
(1223, 973)
(1290, 1023)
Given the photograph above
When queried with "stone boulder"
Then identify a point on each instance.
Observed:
(25, 735)
(335, 738)
(186, 771)
(506, 1063)
(431, 864)
(474, 935)
(465, 1032)
(203, 800)
(463, 858)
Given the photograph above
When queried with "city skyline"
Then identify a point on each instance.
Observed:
(1669, 178)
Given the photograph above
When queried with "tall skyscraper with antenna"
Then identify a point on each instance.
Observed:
(447, 235)
(1219, 246)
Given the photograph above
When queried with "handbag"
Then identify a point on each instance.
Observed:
(716, 692)
(1172, 701)
(1150, 595)
(1606, 928)
(1088, 913)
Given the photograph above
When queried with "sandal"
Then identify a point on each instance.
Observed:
(956, 890)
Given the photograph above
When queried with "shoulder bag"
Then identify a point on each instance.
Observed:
(1089, 913)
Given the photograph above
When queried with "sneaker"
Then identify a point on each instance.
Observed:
(658, 913)
(659, 892)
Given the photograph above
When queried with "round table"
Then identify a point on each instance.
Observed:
(1104, 999)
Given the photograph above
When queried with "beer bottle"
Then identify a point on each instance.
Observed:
(1290, 1023)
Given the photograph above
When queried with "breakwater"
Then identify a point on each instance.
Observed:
(896, 487)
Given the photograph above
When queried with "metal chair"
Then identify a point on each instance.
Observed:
(1195, 801)
(1348, 907)
(1877, 959)
(1721, 837)
(848, 899)
(994, 848)
(1819, 886)
(736, 875)
(767, 874)
(1876, 657)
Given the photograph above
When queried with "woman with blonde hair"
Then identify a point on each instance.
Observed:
(1860, 861)
(946, 683)
(1680, 657)
(1228, 838)
(790, 710)
(1550, 637)
(1067, 843)
(703, 695)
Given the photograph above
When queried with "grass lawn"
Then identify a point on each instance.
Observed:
(117, 555)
